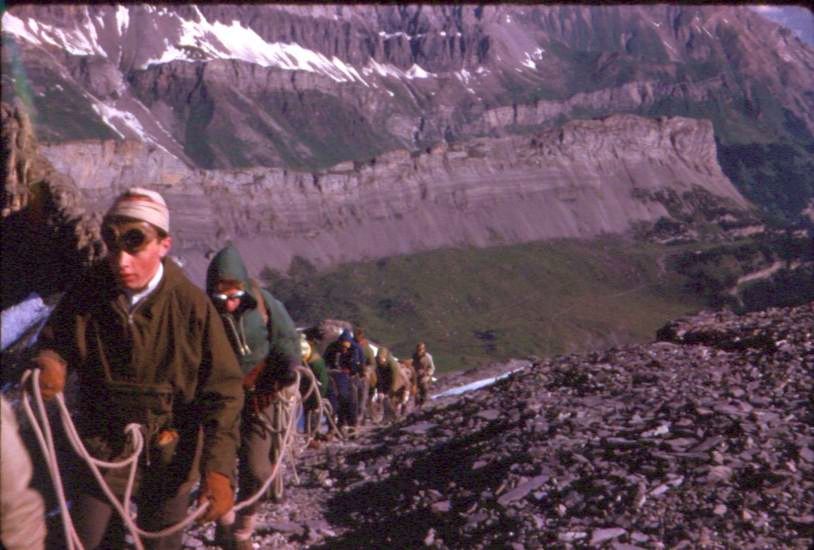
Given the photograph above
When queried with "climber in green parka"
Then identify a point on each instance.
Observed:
(316, 363)
(267, 346)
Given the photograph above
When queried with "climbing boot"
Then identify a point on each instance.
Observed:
(244, 527)
(224, 536)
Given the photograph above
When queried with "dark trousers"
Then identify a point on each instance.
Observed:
(255, 464)
(423, 389)
(162, 495)
(360, 388)
(99, 525)
(344, 398)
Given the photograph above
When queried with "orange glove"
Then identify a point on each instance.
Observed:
(52, 373)
(217, 489)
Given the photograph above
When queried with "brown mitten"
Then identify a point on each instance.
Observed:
(52, 373)
(217, 489)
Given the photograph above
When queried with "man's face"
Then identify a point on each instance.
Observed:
(233, 290)
(346, 344)
(134, 252)
(420, 349)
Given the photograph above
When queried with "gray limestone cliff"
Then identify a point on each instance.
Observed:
(580, 180)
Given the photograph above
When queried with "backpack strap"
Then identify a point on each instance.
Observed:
(261, 301)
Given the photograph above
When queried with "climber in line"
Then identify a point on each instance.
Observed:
(266, 344)
(147, 347)
(314, 361)
(424, 371)
(362, 380)
(342, 358)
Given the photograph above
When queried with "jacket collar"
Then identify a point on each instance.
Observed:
(113, 294)
(134, 298)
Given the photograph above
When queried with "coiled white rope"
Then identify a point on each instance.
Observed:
(42, 429)
(44, 434)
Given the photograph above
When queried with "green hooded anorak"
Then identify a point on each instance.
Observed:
(275, 343)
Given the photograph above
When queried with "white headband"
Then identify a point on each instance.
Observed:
(142, 204)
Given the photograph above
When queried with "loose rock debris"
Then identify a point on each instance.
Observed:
(702, 440)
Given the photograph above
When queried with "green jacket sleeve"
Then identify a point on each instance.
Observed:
(220, 393)
(321, 373)
(370, 356)
(285, 342)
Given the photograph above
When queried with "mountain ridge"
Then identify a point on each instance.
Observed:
(580, 180)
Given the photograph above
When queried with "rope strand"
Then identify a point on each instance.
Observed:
(42, 429)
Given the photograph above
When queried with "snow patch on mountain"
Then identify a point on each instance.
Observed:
(464, 76)
(82, 40)
(123, 118)
(529, 58)
(16, 26)
(110, 115)
(417, 72)
(216, 40)
(387, 70)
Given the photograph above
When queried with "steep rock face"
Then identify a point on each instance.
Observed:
(581, 180)
(232, 85)
(47, 235)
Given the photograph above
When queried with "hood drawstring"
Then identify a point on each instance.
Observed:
(240, 337)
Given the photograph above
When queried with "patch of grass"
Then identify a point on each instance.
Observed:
(776, 176)
(473, 306)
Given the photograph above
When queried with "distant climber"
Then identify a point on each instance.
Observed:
(316, 363)
(387, 370)
(367, 373)
(424, 370)
(343, 361)
(266, 344)
(394, 381)
(148, 347)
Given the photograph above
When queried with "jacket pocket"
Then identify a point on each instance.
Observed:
(151, 406)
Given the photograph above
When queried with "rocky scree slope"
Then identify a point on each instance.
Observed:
(580, 180)
(703, 439)
(225, 86)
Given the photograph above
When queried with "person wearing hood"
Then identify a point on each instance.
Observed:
(343, 358)
(147, 347)
(267, 347)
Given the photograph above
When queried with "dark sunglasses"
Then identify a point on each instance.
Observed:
(223, 297)
(130, 239)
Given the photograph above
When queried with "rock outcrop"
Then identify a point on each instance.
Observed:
(702, 441)
(579, 180)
